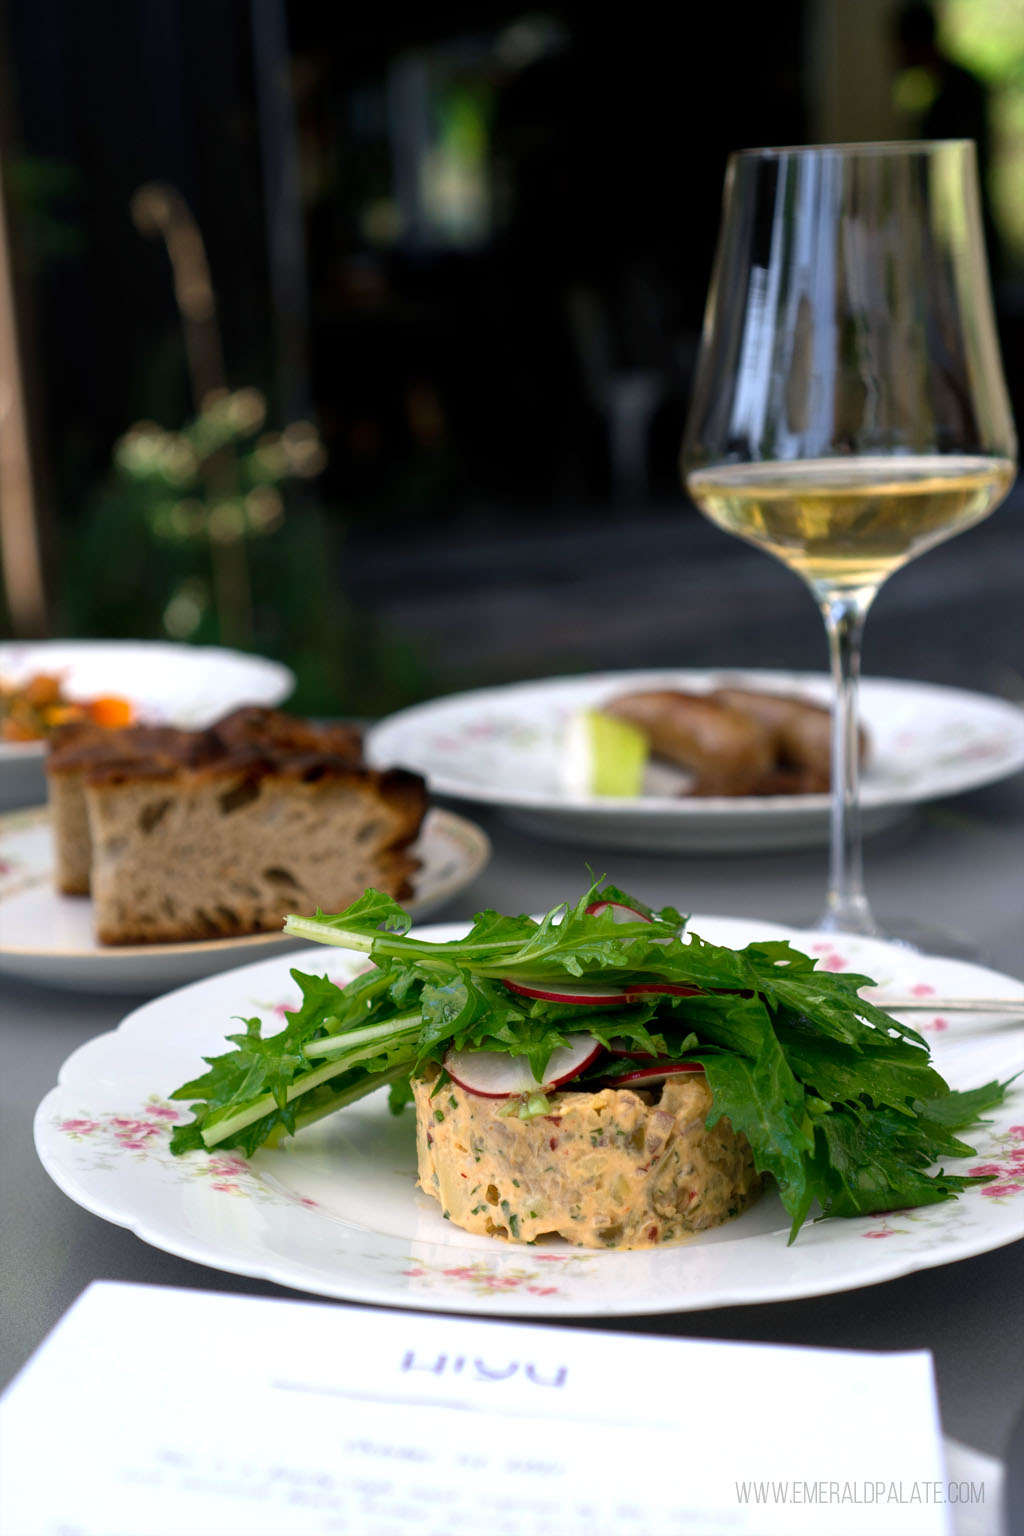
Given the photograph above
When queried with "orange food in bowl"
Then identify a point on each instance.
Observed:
(32, 711)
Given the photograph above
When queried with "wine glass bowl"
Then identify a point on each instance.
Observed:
(849, 410)
(845, 524)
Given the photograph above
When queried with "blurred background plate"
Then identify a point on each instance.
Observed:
(48, 938)
(182, 685)
(503, 747)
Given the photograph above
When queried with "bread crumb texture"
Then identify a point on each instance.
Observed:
(189, 835)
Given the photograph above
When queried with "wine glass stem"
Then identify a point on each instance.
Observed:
(846, 908)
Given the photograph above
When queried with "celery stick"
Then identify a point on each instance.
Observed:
(333, 1045)
(217, 1130)
(339, 1101)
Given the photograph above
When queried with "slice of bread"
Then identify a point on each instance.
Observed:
(255, 725)
(80, 749)
(232, 847)
(182, 835)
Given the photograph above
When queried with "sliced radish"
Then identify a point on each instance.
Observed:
(493, 1075)
(650, 1077)
(621, 913)
(594, 995)
(578, 992)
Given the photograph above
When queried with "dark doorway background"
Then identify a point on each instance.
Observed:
(442, 368)
(470, 243)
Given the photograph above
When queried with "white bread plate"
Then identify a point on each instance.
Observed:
(189, 686)
(48, 938)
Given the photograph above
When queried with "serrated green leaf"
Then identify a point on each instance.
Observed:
(839, 1101)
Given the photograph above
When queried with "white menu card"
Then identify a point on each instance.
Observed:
(157, 1412)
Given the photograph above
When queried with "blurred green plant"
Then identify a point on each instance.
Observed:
(987, 37)
(210, 534)
(215, 485)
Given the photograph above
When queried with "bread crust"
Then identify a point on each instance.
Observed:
(181, 835)
(80, 750)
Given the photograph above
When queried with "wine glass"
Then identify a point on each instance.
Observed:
(849, 409)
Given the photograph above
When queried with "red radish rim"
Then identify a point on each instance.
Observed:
(501, 1076)
(554, 992)
(653, 1075)
(597, 907)
(594, 996)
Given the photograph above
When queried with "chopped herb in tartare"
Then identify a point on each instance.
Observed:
(839, 1101)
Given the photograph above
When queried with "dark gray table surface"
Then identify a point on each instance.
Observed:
(957, 864)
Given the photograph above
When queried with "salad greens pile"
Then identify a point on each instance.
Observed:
(839, 1100)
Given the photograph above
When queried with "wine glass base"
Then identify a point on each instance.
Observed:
(912, 934)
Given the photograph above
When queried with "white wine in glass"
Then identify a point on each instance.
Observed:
(849, 409)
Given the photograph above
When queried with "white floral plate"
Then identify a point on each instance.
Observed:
(505, 747)
(183, 685)
(46, 937)
(336, 1213)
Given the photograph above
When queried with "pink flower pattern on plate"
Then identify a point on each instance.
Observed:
(1004, 1165)
(485, 1279)
(132, 1133)
(831, 959)
(145, 1135)
(1008, 1173)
